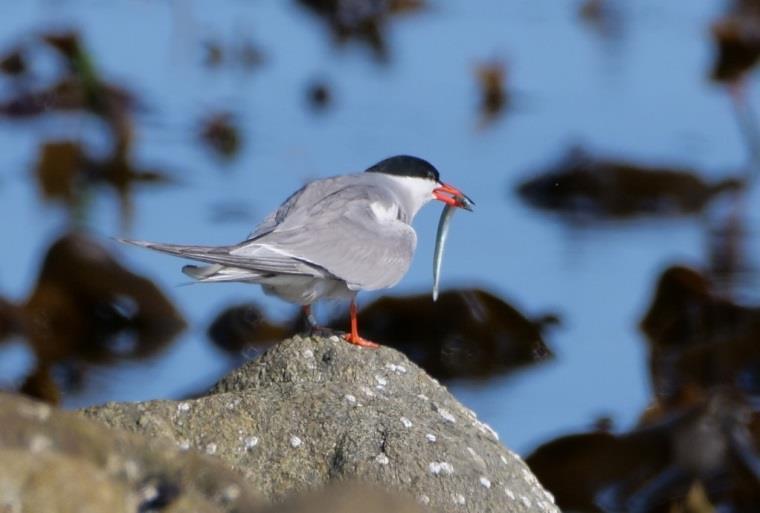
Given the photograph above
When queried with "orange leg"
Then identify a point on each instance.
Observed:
(354, 337)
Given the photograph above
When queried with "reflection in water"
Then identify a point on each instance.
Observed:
(702, 429)
(85, 84)
(244, 326)
(698, 339)
(58, 170)
(79, 88)
(361, 20)
(220, 131)
(13, 62)
(9, 319)
(66, 171)
(709, 444)
(586, 187)
(87, 309)
(467, 333)
(241, 53)
(730, 267)
(319, 95)
(66, 95)
(604, 16)
(737, 37)
(493, 94)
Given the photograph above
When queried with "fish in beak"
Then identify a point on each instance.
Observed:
(453, 198)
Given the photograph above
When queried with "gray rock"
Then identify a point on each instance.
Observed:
(59, 462)
(348, 498)
(314, 410)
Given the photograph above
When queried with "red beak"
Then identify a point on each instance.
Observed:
(452, 196)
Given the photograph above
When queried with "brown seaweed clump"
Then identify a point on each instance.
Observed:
(67, 171)
(87, 309)
(467, 333)
(695, 447)
(363, 21)
(494, 97)
(736, 36)
(699, 339)
(582, 186)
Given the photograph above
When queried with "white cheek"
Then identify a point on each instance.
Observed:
(421, 189)
(426, 195)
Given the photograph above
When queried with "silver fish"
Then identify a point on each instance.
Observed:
(440, 241)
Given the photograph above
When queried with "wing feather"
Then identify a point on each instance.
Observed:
(343, 227)
(260, 259)
(344, 235)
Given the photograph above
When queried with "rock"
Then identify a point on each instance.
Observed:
(314, 410)
(59, 462)
(25, 475)
(348, 498)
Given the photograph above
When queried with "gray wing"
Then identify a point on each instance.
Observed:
(352, 233)
(271, 221)
(304, 198)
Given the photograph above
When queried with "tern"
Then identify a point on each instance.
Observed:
(331, 238)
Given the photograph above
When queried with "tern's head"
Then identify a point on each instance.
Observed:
(421, 180)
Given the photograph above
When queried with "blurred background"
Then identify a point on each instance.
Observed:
(600, 306)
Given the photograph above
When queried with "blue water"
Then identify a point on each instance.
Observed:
(640, 94)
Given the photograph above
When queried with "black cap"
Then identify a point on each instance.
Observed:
(406, 165)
